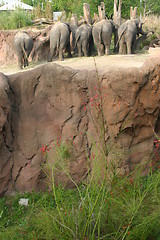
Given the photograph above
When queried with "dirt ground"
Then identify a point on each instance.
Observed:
(104, 62)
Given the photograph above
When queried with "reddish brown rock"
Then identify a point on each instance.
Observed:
(52, 104)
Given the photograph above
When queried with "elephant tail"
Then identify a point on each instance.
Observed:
(58, 41)
(100, 37)
(121, 36)
(77, 37)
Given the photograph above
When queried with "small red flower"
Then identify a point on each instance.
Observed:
(131, 181)
(43, 149)
(85, 108)
(96, 96)
(91, 99)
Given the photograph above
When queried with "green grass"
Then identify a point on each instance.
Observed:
(121, 209)
(14, 19)
(104, 206)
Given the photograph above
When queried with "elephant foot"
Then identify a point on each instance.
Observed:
(20, 67)
(49, 60)
(69, 55)
(107, 53)
(100, 54)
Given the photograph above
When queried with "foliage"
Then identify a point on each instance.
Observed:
(42, 8)
(48, 10)
(38, 12)
(152, 23)
(15, 19)
(76, 6)
(125, 208)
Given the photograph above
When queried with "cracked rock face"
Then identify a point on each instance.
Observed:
(52, 103)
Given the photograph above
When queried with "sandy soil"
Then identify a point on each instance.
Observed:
(104, 62)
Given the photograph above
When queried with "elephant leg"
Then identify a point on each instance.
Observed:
(79, 46)
(20, 62)
(52, 51)
(68, 51)
(100, 49)
(107, 51)
(129, 47)
(25, 62)
(85, 49)
(121, 46)
(61, 57)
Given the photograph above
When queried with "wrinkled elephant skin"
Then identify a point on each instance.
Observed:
(84, 39)
(23, 45)
(102, 35)
(127, 33)
(59, 40)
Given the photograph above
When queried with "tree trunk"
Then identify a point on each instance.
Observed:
(95, 18)
(74, 20)
(117, 20)
(86, 11)
(117, 12)
(101, 11)
(133, 13)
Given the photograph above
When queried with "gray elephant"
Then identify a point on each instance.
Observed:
(23, 45)
(60, 39)
(102, 35)
(84, 40)
(127, 33)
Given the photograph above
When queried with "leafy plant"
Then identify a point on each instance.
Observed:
(15, 19)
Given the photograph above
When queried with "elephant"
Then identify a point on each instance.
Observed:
(60, 35)
(84, 40)
(102, 35)
(127, 33)
(23, 45)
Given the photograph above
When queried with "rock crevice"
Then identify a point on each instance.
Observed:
(52, 103)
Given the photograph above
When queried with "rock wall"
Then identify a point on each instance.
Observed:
(52, 103)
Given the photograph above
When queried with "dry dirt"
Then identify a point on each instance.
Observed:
(104, 62)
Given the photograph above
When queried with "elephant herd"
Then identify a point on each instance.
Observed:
(65, 37)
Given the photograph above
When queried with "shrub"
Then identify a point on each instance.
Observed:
(15, 19)
(152, 23)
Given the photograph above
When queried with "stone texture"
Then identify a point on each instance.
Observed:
(52, 103)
